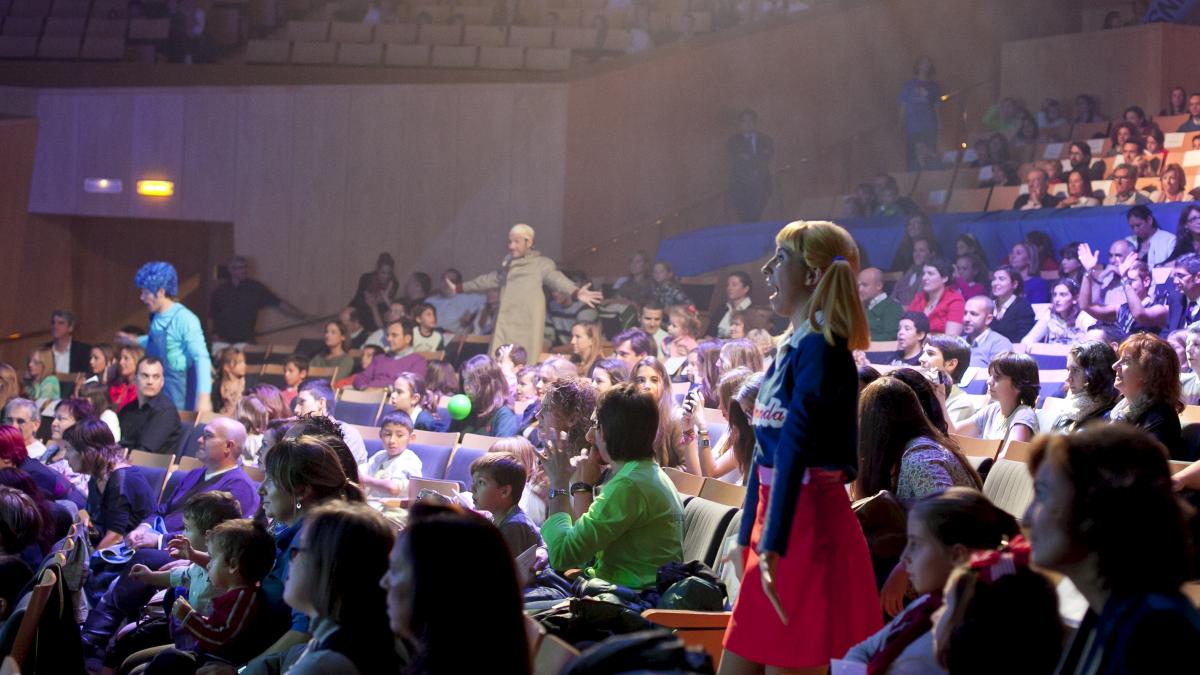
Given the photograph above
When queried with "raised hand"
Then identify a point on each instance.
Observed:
(1088, 258)
(588, 296)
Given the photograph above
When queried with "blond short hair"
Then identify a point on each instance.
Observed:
(522, 230)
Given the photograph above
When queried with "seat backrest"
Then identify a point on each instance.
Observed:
(478, 441)
(156, 476)
(459, 468)
(704, 525)
(434, 459)
(188, 463)
(150, 459)
(364, 414)
(255, 473)
(38, 597)
(723, 493)
(1009, 486)
(1018, 451)
(553, 655)
(685, 483)
(446, 438)
(976, 447)
(442, 487)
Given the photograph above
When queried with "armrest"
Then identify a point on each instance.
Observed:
(687, 619)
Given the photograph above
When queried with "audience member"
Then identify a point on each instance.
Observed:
(950, 355)
(682, 330)
(69, 356)
(498, 480)
(1140, 311)
(1038, 196)
(410, 397)
(883, 312)
(1153, 245)
(607, 373)
(1069, 266)
(1147, 376)
(997, 592)
(484, 384)
(1053, 124)
(1124, 190)
(749, 153)
(650, 375)
(427, 337)
(399, 358)
(1025, 259)
(586, 345)
(563, 312)
(118, 495)
(737, 299)
(1013, 317)
(937, 300)
(13, 455)
(1079, 191)
(356, 332)
(15, 576)
(21, 523)
(930, 394)
(255, 417)
(373, 295)
(918, 99)
(1189, 380)
(740, 354)
(917, 226)
(386, 474)
(977, 328)
(1104, 515)
(651, 322)
(1174, 186)
(968, 273)
(235, 304)
(151, 421)
(730, 458)
(440, 547)
(805, 522)
(316, 398)
(944, 530)
(1187, 232)
(635, 525)
(667, 290)
(271, 397)
(910, 338)
(23, 414)
(891, 202)
(335, 354)
(906, 288)
(41, 384)
(1065, 323)
(1091, 394)
(100, 360)
(66, 414)
(1080, 157)
(633, 345)
(1193, 111)
(122, 382)
(175, 338)
(1184, 303)
(635, 286)
(231, 379)
(1013, 387)
(900, 450)
(1176, 103)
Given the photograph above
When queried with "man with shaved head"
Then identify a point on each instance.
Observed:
(883, 313)
(522, 279)
(985, 342)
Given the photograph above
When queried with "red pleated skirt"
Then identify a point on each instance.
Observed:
(825, 583)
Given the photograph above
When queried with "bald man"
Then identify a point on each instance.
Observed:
(522, 278)
(883, 313)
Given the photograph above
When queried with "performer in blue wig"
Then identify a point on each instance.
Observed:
(176, 337)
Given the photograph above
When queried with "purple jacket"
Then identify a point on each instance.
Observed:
(383, 370)
(235, 481)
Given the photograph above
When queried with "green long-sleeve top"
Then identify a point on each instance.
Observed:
(632, 528)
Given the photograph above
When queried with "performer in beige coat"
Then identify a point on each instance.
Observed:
(521, 280)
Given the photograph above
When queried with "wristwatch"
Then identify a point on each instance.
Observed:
(582, 487)
(559, 492)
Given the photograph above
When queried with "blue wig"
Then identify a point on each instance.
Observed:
(158, 275)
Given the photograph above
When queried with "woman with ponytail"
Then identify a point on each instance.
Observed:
(808, 593)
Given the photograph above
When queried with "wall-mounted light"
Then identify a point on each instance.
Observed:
(102, 186)
(155, 188)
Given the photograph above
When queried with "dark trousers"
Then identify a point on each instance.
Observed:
(749, 198)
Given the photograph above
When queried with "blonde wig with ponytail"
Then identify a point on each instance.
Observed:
(829, 248)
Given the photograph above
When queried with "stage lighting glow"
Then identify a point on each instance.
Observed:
(155, 188)
(102, 186)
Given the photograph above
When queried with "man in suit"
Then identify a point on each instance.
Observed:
(750, 182)
(69, 356)
(1184, 303)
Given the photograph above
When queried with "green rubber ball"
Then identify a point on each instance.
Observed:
(459, 406)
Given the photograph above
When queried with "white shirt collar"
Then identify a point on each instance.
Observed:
(876, 300)
(211, 475)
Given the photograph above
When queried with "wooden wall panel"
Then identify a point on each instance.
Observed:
(209, 189)
(427, 176)
(537, 164)
(157, 153)
(103, 133)
(263, 191)
(54, 188)
(482, 178)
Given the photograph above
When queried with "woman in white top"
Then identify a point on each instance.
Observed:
(728, 458)
(1065, 324)
(1013, 386)
(1174, 186)
(1079, 192)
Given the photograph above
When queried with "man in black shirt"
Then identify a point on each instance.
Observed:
(235, 304)
(151, 422)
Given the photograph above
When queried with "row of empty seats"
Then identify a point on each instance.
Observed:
(454, 35)
(65, 8)
(376, 54)
(76, 37)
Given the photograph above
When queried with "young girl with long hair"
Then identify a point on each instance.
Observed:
(808, 592)
(650, 375)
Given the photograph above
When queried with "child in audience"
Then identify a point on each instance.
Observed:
(241, 554)
(910, 336)
(369, 352)
(231, 380)
(533, 495)
(943, 531)
(731, 455)
(997, 594)
(202, 512)
(410, 397)
(527, 385)
(427, 337)
(386, 474)
(253, 415)
(951, 356)
(441, 381)
(682, 331)
(498, 479)
(607, 373)
(295, 372)
(1013, 386)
